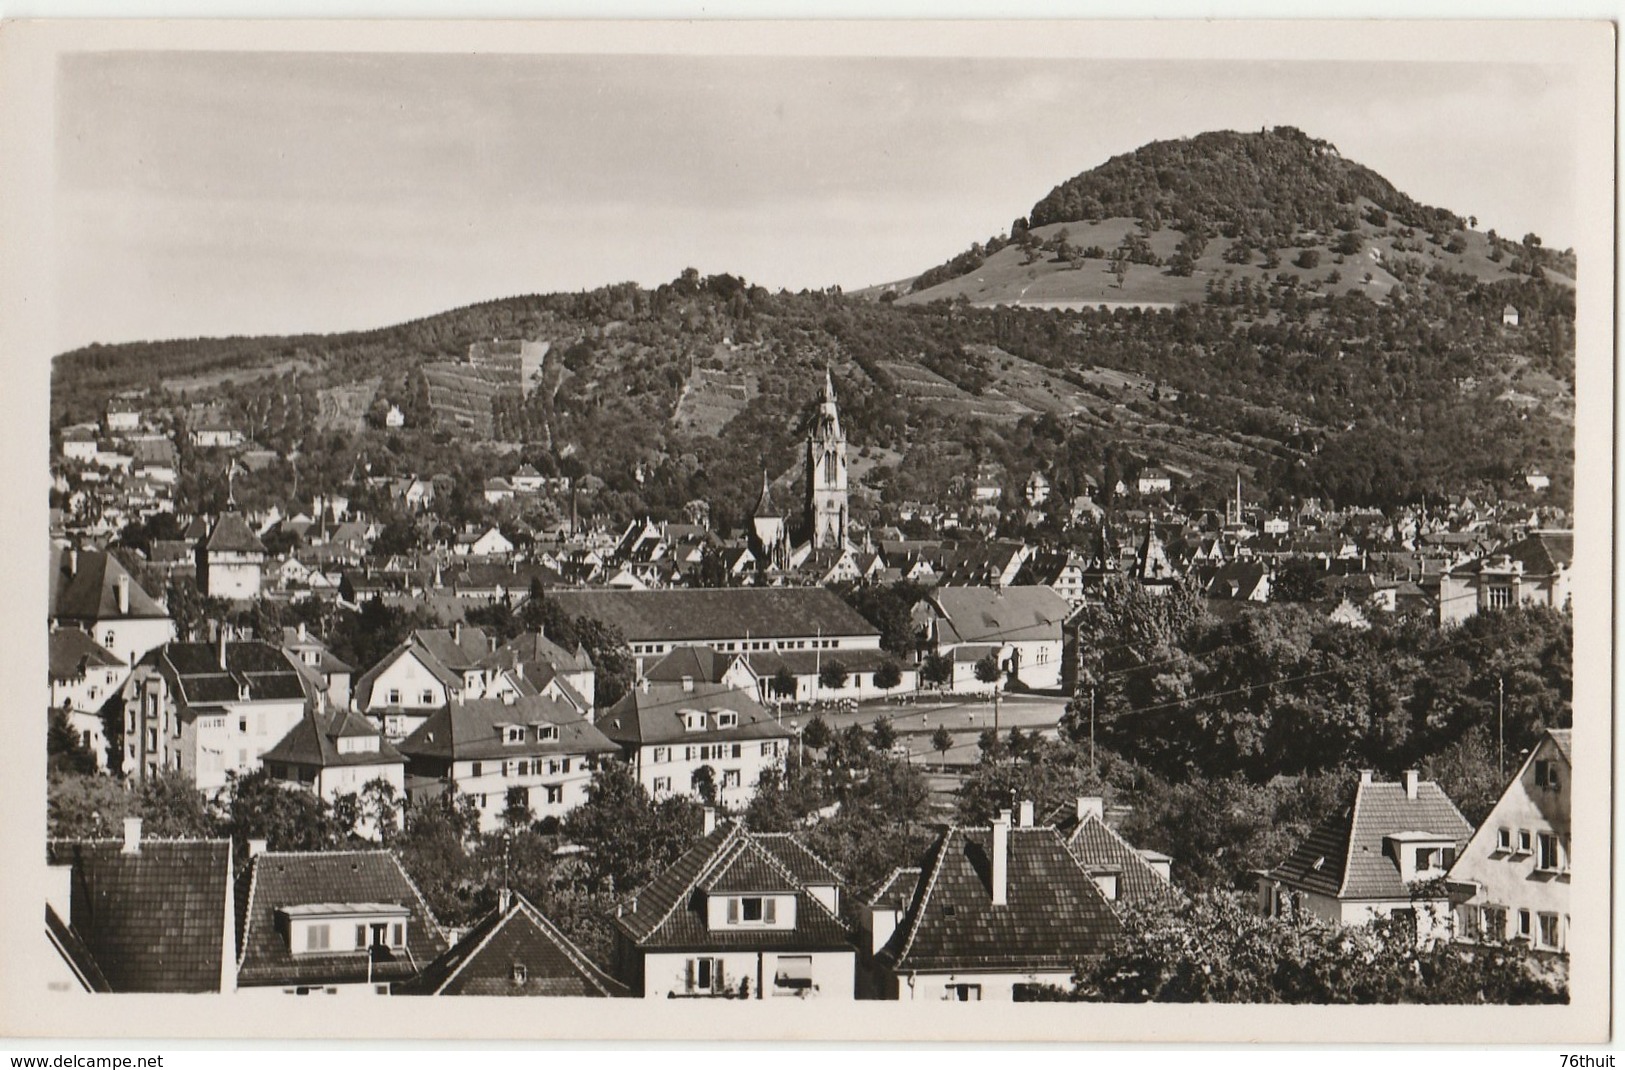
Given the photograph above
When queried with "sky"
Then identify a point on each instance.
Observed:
(210, 193)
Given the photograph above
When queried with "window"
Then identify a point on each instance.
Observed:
(360, 936)
(547, 733)
(555, 793)
(242, 725)
(475, 769)
(704, 975)
(426, 697)
(513, 733)
(524, 768)
(1503, 839)
(1498, 597)
(963, 993)
(1546, 775)
(394, 697)
(770, 749)
(1548, 933)
(1026, 992)
(752, 910)
(1525, 842)
(397, 934)
(662, 754)
(662, 785)
(738, 750)
(107, 639)
(727, 719)
(1546, 853)
(317, 937)
(730, 778)
(792, 975)
(1523, 925)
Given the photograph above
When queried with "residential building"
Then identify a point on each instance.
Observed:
(1019, 626)
(741, 915)
(543, 748)
(730, 619)
(230, 559)
(669, 732)
(334, 753)
(990, 913)
(428, 669)
(91, 591)
(1123, 873)
(513, 951)
(1154, 480)
(144, 915)
(208, 709)
(327, 673)
(1385, 854)
(1511, 881)
(533, 657)
(330, 923)
(1535, 570)
(84, 677)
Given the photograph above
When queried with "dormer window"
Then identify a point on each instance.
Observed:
(358, 744)
(547, 733)
(342, 928)
(693, 720)
(727, 719)
(511, 733)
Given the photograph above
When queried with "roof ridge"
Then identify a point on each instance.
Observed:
(921, 900)
(886, 882)
(248, 909)
(727, 842)
(468, 957)
(1348, 848)
(563, 942)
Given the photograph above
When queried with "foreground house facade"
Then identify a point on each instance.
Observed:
(514, 951)
(1385, 854)
(1511, 881)
(740, 915)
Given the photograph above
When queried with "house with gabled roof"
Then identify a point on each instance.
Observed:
(334, 753)
(230, 559)
(84, 675)
(1535, 570)
(1511, 881)
(1384, 854)
(1019, 626)
(90, 590)
(669, 732)
(1124, 873)
(327, 673)
(993, 913)
(513, 951)
(544, 664)
(330, 922)
(542, 748)
(209, 709)
(429, 668)
(142, 914)
(740, 915)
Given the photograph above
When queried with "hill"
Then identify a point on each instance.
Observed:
(1184, 216)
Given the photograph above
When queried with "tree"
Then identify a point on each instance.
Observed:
(942, 741)
(784, 682)
(65, 751)
(85, 806)
(704, 782)
(937, 669)
(987, 669)
(628, 837)
(1119, 268)
(170, 805)
(287, 818)
(883, 734)
(888, 675)
(517, 814)
(1308, 259)
(433, 849)
(817, 734)
(832, 675)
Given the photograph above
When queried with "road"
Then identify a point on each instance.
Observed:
(965, 717)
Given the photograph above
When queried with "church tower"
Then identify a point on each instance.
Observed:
(826, 475)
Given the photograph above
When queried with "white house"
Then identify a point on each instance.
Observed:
(84, 676)
(1511, 881)
(337, 753)
(91, 591)
(1019, 626)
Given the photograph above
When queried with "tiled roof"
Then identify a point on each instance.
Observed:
(468, 729)
(231, 534)
(765, 663)
(277, 879)
(1344, 856)
(154, 920)
(74, 952)
(1097, 846)
(798, 858)
(194, 670)
(483, 962)
(670, 911)
(409, 647)
(999, 614)
(1561, 738)
(695, 615)
(73, 652)
(897, 887)
(457, 649)
(314, 741)
(652, 715)
(89, 593)
(1055, 915)
(693, 662)
(535, 649)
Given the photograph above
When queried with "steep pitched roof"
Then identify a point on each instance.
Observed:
(701, 614)
(700, 663)
(231, 534)
(1543, 553)
(1000, 614)
(258, 670)
(154, 920)
(1344, 855)
(670, 911)
(1562, 739)
(85, 589)
(534, 650)
(458, 648)
(73, 651)
(1097, 846)
(1055, 915)
(74, 952)
(654, 715)
(314, 742)
(408, 647)
(275, 880)
(468, 729)
(483, 963)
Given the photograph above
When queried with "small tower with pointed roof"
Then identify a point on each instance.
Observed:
(826, 474)
(770, 542)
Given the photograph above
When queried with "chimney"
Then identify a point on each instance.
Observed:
(688, 683)
(59, 892)
(1091, 806)
(457, 633)
(1365, 776)
(459, 694)
(710, 824)
(1410, 783)
(504, 900)
(643, 685)
(124, 595)
(132, 835)
(491, 644)
(509, 698)
(73, 561)
(221, 647)
(301, 631)
(257, 848)
(1001, 859)
(1026, 813)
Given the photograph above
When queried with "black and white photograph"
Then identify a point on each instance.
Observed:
(803, 525)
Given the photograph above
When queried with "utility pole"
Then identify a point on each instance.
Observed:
(1501, 724)
(1092, 766)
